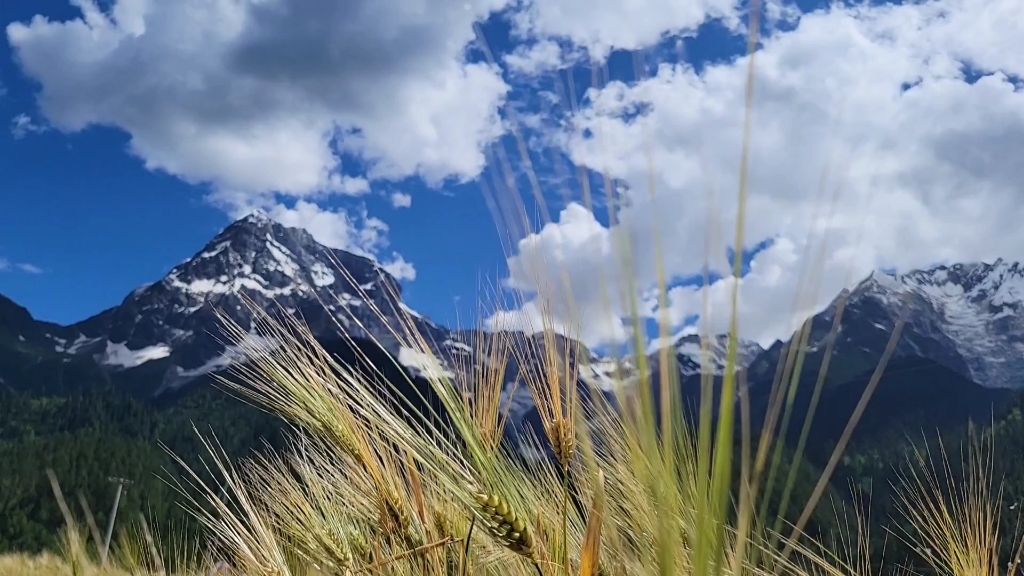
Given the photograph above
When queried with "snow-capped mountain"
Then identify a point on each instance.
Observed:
(166, 336)
(966, 317)
(976, 307)
(689, 354)
(255, 258)
(169, 328)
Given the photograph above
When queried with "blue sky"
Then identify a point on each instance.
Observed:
(95, 223)
(134, 137)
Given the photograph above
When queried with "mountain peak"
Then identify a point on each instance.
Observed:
(259, 255)
(257, 217)
(690, 351)
(253, 260)
(258, 223)
(1000, 281)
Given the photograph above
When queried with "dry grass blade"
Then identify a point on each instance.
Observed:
(954, 510)
(239, 529)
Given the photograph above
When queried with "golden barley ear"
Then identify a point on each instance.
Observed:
(562, 437)
(591, 553)
(552, 384)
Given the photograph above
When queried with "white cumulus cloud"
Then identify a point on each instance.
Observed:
(914, 113)
(262, 98)
(604, 25)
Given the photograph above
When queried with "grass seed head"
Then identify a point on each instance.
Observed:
(504, 524)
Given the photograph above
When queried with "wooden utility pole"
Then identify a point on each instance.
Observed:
(121, 484)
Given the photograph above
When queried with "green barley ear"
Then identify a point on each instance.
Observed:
(504, 524)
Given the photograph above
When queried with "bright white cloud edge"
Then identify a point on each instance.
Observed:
(921, 154)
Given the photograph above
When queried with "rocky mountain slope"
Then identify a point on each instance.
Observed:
(254, 261)
(965, 317)
(690, 355)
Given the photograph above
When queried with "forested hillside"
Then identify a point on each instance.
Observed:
(99, 432)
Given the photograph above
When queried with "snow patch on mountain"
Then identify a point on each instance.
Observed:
(251, 347)
(321, 274)
(422, 363)
(460, 347)
(608, 374)
(80, 342)
(409, 311)
(119, 355)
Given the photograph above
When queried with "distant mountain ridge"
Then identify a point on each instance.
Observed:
(690, 353)
(165, 335)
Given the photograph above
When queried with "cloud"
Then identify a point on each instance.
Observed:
(914, 112)
(914, 115)
(576, 243)
(603, 25)
(401, 200)
(6, 265)
(542, 56)
(267, 98)
(22, 125)
(399, 268)
(260, 91)
(351, 230)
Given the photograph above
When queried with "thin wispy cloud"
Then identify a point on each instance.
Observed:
(6, 265)
(22, 125)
